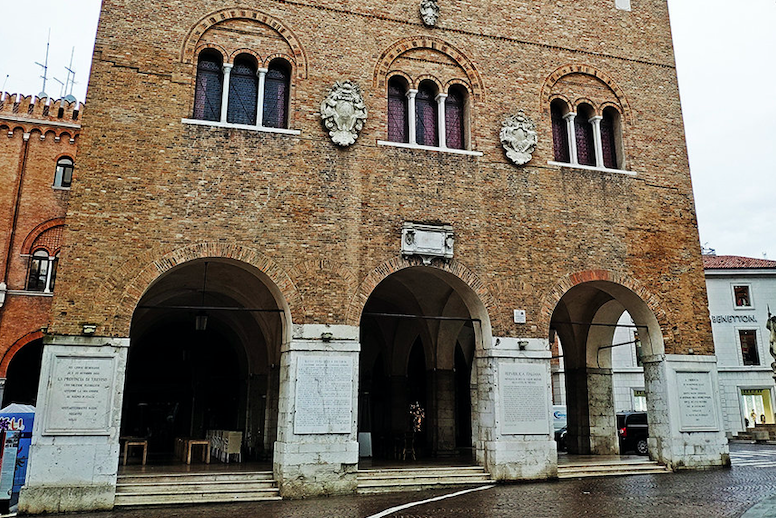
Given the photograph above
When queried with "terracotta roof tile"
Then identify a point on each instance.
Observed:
(735, 262)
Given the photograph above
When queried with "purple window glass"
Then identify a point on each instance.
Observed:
(454, 114)
(276, 89)
(426, 117)
(584, 134)
(608, 142)
(243, 93)
(560, 134)
(207, 95)
(398, 130)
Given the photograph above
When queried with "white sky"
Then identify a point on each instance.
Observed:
(725, 59)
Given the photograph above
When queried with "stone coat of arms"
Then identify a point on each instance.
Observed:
(518, 136)
(429, 12)
(344, 112)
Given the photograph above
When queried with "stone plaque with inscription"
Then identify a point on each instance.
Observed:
(324, 395)
(80, 395)
(696, 401)
(523, 389)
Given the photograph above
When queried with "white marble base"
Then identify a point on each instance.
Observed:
(75, 469)
(324, 459)
(673, 439)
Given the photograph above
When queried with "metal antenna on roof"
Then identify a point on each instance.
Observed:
(70, 75)
(44, 66)
(61, 85)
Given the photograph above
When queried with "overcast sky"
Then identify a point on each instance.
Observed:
(725, 59)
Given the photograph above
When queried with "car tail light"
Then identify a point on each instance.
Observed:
(623, 432)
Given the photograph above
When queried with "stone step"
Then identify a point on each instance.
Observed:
(184, 487)
(195, 488)
(202, 497)
(611, 469)
(141, 478)
(416, 479)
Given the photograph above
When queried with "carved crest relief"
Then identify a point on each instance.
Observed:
(343, 112)
(518, 136)
(429, 12)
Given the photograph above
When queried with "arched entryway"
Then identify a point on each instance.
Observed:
(23, 373)
(420, 330)
(588, 323)
(204, 353)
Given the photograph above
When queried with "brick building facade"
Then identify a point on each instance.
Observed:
(37, 155)
(218, 239)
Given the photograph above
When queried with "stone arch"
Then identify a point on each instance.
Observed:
(189, 47)
(395, 264)
(430, 78)
(554, 295)
(249, 52)
(9, 354)
(457, 82)
(546, 90)
(137, 276)
(210, 46)
(386, 59)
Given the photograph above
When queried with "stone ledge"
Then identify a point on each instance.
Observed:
(66, 499)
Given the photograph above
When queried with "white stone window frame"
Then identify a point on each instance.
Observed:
(50, 265)
(441, 99)
(595, 120)
(748, 286)
(758, 345)
(226, 69)
(58, 178)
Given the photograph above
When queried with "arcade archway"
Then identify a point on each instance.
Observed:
(586, 321)
(204, 355)
(420, 329)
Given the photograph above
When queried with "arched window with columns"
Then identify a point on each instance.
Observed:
(455, 114)
(426, 115)
(275, 96)
(560, 131)
(398, 127)
(42, 273)
(585, 135)
(207, 96)
(243, 91)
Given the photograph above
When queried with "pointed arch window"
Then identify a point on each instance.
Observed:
(243, 92)
(207, 96)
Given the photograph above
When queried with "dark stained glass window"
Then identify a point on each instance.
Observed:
(207, 95)
(398, 130)
(426, 116)
(243, 92)
(584, 135)
(276, 89)
(454, 118)
(608, 142)
(560, 134)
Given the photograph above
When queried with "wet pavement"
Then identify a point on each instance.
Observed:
(748, 487)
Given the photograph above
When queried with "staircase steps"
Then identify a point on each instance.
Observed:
(195, 488)
(611, 468)
(415, 479)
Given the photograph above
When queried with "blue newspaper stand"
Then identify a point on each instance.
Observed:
(19, 418)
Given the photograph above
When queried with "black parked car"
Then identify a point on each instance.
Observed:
(560, 438)
(633, 431)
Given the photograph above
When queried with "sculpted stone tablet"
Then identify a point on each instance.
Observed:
(518, 136)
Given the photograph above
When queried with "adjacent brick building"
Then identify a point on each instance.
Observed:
(243, 271)
(37, 156)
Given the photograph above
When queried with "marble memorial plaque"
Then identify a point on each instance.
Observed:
(324, 395)
(80, 395)
(696, 401)
(523, 390)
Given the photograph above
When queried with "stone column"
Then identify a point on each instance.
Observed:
(578, 417)
(74, 454)
(271, 412)
(572, 131)
(262, 73)
(599, 150)
(316, 452)
(513, 410)
(441, 118)
(411, 93)
(443, 432)
(227, 69)
(601, 416)
(685, 411)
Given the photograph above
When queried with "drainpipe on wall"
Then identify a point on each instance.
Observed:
(14, 218)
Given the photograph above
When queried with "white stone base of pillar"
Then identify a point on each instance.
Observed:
(75, 443)
(317, 448)
(685, 412)
(512, 407)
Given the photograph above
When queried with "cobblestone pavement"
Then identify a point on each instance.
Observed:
(706, 494)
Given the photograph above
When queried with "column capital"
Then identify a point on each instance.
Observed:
(261, 71)
(411, 93)
(570, 115)
(595, 119)
(227, 67)
(440, 96)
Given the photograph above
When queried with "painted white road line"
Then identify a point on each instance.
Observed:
(421, 502)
